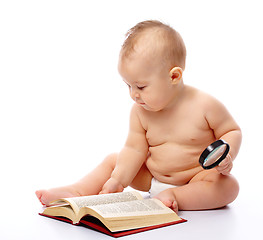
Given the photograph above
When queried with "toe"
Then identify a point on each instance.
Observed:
(39, 195)
(168, 203)
(174, 206)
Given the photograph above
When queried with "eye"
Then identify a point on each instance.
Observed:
(141, 88)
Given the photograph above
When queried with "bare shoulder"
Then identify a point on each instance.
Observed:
(205, 101)
(215, 112)
(139, 114)
(137, 117)
(136, 111)
(212, 105)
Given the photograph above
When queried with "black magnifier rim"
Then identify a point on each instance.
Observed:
(210, 149)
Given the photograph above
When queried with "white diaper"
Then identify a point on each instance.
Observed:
(157, 187)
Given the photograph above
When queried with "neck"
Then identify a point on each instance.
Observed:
(179, 93)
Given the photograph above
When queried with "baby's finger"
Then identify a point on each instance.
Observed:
(104, 191)
(221, 168)
(225, 170)
(224, 163)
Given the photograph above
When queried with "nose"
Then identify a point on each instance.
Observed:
(134, 94)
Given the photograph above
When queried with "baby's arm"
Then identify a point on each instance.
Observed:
(130, 158)
(224, 127)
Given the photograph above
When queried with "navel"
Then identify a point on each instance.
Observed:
(167, 175)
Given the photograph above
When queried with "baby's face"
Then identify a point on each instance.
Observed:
(149, 83)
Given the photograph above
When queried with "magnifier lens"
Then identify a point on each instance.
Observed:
(214, 155)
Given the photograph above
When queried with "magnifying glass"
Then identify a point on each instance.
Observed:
(214, 154)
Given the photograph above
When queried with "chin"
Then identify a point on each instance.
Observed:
(151, 109)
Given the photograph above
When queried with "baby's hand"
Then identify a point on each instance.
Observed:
(225, 166)
(112, 186)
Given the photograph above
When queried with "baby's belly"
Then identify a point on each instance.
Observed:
(174, 164)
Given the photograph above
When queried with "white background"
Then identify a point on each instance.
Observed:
(63, 106)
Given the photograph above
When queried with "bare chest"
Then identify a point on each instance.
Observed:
(186, 127)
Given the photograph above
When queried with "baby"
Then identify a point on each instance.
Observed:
(170, 125)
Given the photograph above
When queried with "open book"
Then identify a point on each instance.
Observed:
(116, 211)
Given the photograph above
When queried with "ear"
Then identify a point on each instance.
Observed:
(176, 74)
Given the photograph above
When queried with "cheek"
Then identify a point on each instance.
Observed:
(163, 98)
(155, 100)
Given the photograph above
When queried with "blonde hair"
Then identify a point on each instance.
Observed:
(162, 40)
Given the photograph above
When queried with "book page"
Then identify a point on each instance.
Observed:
(102, 199)
(78, 202)
(132, 208)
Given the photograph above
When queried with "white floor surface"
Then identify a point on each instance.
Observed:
(240, 220)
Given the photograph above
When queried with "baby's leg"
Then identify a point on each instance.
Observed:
(207, 190)
(91, 184)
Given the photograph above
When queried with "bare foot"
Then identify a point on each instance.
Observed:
(167, 197)
(47, 196)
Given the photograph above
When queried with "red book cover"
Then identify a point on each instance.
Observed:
(94, 223)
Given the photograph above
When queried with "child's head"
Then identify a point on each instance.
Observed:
(151, 63)
(157, 41)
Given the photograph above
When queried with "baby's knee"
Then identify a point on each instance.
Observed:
(230, 189)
